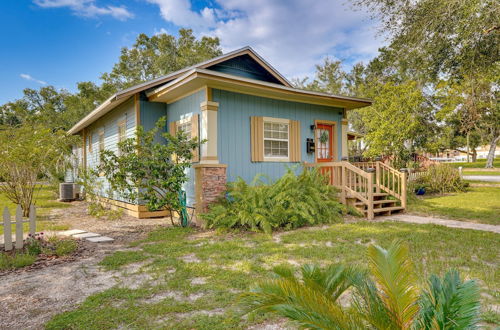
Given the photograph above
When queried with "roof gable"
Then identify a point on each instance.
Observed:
(245, 66)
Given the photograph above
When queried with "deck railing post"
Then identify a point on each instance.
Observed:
(343, 192)
(377, 176)
(403, 190)
(370, 215)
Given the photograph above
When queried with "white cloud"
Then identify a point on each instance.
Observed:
(30, 78)
(292, 35)
(87, 8)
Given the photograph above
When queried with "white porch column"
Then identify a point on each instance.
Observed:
(208, 131)
(345, 150)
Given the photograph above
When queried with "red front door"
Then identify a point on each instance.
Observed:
(324, 143)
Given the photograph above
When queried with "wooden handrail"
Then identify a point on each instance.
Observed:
(354, 181)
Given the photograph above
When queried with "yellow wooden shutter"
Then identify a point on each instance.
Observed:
(257, 138)
(173, 128)
(194, 134)
(295, 149)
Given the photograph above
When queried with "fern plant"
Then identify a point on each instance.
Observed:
(386, 297)
(290, 202)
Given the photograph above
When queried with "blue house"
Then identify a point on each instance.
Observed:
(253, 119)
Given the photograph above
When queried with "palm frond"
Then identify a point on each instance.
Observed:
(449, 303)
(394, 275)
(312, 301)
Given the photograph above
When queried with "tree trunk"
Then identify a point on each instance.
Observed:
(468, 153)
(491, 152)
(474, 155)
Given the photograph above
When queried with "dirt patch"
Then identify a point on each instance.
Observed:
(189, 258)
(212, 312)
(198, 280)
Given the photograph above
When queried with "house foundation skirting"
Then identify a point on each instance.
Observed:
(134, 210)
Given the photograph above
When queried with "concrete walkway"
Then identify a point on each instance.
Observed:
(486, 178)
(438, 221)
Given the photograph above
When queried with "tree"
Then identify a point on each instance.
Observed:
(387, 297)
(471, 103)
(398, 122)
(436, 37)
(152, 57)
(29, 153)
(149, 171)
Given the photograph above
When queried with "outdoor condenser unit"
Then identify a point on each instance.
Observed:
(66, 191)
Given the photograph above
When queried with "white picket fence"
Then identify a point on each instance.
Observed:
(7, 227)
(412, 176)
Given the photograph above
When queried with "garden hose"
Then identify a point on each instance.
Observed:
(184, 217)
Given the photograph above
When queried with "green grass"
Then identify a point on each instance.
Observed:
(480, 204)
(231, 262)
(471, 172)
(44, 203)
(17, 260)
(480, 163)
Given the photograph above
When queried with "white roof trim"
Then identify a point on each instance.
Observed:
(257, 82)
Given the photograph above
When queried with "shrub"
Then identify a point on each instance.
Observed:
(290, 202)
(34, 244)
(441, 179)
(64, 247)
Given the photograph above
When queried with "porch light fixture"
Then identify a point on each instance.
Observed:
(313, 127)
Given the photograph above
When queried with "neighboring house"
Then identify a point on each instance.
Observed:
(253, 119)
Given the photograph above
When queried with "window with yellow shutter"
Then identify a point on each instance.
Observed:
(122, 131)
(275, 140)
(190, 126)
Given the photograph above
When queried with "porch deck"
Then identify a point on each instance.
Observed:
(374, 188)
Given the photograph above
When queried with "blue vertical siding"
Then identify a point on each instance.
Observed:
(109, 124)
(188, 106)
(149, 115)
(233, 123)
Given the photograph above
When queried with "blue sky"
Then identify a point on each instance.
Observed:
(62, 42)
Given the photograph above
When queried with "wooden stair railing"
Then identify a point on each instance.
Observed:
(354, 181)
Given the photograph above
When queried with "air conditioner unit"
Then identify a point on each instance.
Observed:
(66, 192)
(77, 192)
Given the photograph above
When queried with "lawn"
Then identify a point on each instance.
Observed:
(44, 203)
(480, 163)
(472, 172)
(480, 204)
(195, 277)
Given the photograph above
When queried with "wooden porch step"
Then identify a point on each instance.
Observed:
(380, 194)
(388, 209)
(380, 201)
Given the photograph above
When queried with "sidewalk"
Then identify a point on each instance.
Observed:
(439, 221)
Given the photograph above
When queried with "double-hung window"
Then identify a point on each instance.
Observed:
(122, 130)
(276, 138)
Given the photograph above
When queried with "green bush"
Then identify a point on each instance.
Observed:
(64, 247)
(290, 202)
(441, 179)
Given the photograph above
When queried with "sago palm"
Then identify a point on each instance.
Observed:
(449, 303)
(389, 298)
(311, 300)
(385, 298)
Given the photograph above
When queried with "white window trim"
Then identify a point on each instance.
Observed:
(280, 121)
(183, 121)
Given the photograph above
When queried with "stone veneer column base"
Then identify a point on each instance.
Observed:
(210, 184)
